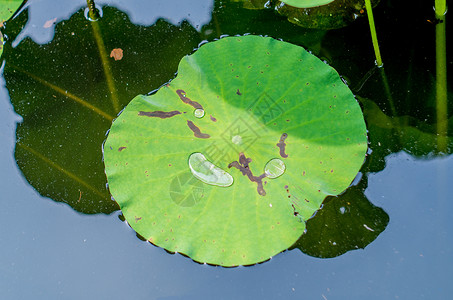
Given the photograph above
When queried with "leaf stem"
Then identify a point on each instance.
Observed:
(373, 32)
(105, 65)
(441, 75)
(93, 12)
(66, 94)
(61, 169)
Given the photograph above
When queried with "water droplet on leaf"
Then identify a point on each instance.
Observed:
(198, 113)
(274, 168)
(207, 172)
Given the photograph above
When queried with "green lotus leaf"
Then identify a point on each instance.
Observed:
(307, 3)
(1, 43)
(8, 8)
(284, 128)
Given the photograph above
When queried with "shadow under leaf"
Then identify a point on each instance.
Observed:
(346, 222)
(69, 90)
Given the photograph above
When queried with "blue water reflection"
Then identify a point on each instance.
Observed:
(49, 251)
(47, 13)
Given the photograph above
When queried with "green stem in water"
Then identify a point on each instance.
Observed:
(441, 76)
(106, 65)
(440, 7)
(94, 16)
(93, 12)
(369, 11)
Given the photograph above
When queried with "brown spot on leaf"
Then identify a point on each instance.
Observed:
(137, 219)
(196, 131)
(238, 92)
(117, 53)
(159, 114)
(186, 100)
(294, 210)
(212, 118)
(281, 144)
(121, 148)
(243, 166)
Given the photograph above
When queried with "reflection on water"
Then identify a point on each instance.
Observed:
(347, 222)
(77, 250)
(70, 95)
(139, 12)
(67, 104)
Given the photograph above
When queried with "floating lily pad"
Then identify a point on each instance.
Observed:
(336, 14)
(8, 8)
(307, 3)
(258, 106)
(1, 43)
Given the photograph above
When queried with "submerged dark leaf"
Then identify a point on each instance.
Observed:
(315, 14)
(394, 134)
(68, 96)
(346, 222)
(336, 14)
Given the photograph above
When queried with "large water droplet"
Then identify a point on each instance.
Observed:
(198, 113)
(274, 168)
(207, 172)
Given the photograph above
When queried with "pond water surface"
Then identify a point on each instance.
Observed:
(52, 250)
